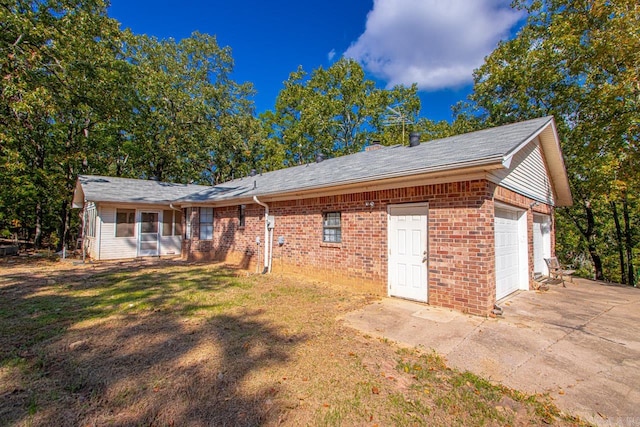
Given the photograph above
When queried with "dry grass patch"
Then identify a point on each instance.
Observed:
(171, 343)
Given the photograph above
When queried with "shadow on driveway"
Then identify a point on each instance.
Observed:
(580, 344)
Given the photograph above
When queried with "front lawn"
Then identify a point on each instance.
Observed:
(171, 343)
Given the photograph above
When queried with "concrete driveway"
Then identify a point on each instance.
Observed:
(580, 344)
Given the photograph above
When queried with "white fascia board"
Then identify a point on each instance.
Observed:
(506, 161)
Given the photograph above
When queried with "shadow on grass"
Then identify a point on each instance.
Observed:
(143, 345)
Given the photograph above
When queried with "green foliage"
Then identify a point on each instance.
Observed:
(579, 62)
(58, 65)
(334, 112)
(190, 121)
(78, 95)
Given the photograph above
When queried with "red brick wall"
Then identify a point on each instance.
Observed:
(460, 234)
(461, 248)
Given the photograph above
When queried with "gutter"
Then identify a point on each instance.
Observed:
(489, 163)
(267, 249)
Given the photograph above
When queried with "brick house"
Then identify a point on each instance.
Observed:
(459, 222)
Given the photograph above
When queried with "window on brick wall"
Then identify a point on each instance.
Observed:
(206, 223)
(332, 228)
(187, 222)
(241, 215)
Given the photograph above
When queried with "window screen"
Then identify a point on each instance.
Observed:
(206, 223)
(125, 222)
(332, 230)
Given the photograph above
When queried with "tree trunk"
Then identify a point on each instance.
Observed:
(597, 262)
(628, 240)
(37, 238)
(619, 243)
(589, 235)
(61, 226)
(39, 182)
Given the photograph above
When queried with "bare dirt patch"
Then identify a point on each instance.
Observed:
(172, 343)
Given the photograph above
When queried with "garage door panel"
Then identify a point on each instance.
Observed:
(507, 252)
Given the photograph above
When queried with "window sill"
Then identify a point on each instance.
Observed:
(331, 245)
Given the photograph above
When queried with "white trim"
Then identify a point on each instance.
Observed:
(523, 246)
(425, 214)
(508, 157)
(138, 228)
(545, 241)
(99, 236)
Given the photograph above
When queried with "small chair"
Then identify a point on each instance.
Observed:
(557, 272)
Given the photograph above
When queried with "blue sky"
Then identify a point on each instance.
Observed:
(435, 43)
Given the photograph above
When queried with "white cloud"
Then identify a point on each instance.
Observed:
(331, 54)
(435, 43)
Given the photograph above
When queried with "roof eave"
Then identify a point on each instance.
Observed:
(448, 171)
(550, 142)
(78, 196)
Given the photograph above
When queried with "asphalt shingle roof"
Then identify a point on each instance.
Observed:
(110, 189)
(487, 146)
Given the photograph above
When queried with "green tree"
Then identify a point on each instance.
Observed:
(190, 121)
(58, 65)
(578, 60)
(334, 112)
(80, 96)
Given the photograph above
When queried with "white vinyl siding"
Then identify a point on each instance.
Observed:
(112, 247)
(527, 174)
(106, 246)
(171, 238)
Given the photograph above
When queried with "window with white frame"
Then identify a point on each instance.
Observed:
(90, 225)
(125, 222)
(171, 222)
(331, 227)
(206, 223)
(187, 223)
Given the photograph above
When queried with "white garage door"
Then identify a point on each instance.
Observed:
(508, 252)
(541, 243)
(408, 252)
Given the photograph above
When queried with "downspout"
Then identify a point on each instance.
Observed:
(267, 249)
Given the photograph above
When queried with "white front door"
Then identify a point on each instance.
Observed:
(541, 243)
(408, 252)
(148, 236)
(510, 251)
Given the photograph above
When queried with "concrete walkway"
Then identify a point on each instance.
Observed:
(580, 344)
